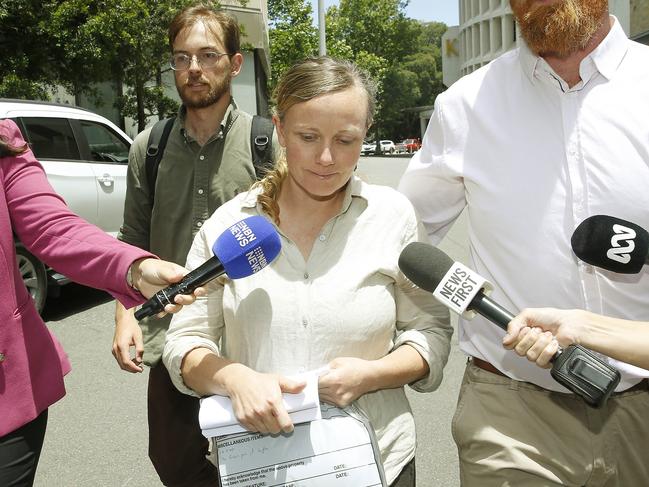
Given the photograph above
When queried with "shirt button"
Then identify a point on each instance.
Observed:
(202, 158)
(199, 224)
(304, 322)
(200, 191)
(322, 238)
(306, 275)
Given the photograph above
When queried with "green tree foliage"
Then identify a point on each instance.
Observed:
(427, 62)
(123, 41)
(292, 35)
(25, 70)
(78, 43)
(424, 69)
(379, 27)
(401, 88)
(403, 56)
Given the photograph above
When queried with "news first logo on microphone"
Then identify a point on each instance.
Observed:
(619, 252)
(458, 288)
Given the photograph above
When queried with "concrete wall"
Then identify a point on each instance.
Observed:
(487, 29)
(451, 60)
(640, 20)
(622, 10)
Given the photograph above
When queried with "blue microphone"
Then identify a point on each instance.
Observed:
(242, 250)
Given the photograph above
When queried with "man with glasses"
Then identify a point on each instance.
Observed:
(207, 161)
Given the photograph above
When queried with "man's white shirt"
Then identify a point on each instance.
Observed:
(531, 158)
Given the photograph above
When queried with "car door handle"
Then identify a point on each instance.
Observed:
(106, 180)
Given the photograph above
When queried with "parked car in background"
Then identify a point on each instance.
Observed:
(387, 147)
(85, 157)
(400, 148)
(368, 148)
(411, 145)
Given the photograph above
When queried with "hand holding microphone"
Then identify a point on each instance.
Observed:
(463, 291)
(242, 250)
(612, 244)
(538, 333)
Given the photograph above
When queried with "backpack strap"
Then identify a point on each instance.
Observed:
(261, 144)
(154, 150)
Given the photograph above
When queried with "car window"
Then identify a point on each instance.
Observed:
(51, 138)
(105, 146)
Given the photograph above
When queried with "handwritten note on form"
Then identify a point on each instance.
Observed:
(338, 450)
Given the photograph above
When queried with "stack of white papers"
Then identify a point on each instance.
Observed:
(217, 418)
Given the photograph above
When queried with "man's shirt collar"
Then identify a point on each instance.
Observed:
(605, 59)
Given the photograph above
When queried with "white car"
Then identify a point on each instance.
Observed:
(85, 157)
(368, 148)
(387, 147)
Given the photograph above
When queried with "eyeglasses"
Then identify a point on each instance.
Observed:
(205, 59)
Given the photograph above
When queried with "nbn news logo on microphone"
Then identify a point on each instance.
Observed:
(242, 233)
(622, 244)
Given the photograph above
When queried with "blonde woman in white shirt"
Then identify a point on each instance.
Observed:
(334, 297)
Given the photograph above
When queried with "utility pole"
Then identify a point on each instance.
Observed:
(321, 28)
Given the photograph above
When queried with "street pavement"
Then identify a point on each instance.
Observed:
(97, 435)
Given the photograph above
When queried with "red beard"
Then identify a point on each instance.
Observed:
(559, 29)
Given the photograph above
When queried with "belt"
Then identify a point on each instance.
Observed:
(484, 365)
(642, 385)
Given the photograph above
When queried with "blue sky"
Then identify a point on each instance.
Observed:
(440, 10)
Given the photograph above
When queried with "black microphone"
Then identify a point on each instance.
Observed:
(611, 243)
(463, 291)
(243, 249)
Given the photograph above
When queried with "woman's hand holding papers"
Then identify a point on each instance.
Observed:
(257, 398)
(348, 379)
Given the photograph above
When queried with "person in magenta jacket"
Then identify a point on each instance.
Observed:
(32, 362)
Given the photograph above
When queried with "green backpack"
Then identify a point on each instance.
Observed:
(261, 145)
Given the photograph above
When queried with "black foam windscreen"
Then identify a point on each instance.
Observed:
(611, 243)
(424, 265)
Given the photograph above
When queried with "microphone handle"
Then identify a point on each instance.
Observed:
(498, 315)
(209, 270)
(491, 310)
(576, 368)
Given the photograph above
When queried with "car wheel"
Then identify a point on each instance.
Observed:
(34, 276)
